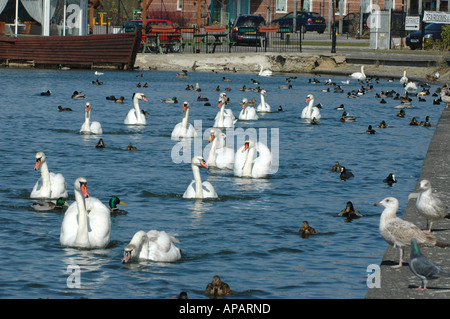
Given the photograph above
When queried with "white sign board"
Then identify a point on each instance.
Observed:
(436, 17)
(412, 23)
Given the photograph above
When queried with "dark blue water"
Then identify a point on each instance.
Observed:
(248, 235)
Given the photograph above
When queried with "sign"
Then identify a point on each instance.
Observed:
(436, 17)
(412, 23)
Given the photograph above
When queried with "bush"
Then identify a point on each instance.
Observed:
(444, 44)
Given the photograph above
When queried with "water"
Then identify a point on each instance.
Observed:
(249, 235)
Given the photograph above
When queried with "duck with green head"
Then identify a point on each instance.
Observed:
(113, 202)
(50, 205)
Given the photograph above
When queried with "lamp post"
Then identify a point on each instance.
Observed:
(333, 37)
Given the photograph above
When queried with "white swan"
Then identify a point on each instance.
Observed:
(411, 87)
(404, 79)
(247, 112)
(245, 163)
(89, 127)
(197, 188)
(50, 185)
(263, 72)
(224, 117)
(184, 129)
(263, 105)
(135, 115)
(153, 245)
(219, 156)
(310, 111)
(87, 221)
(359, 75)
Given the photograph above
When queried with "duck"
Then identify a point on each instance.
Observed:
(153, 245)
(198, 189)
(110, 98)
(370, 130)
(382, 124)
(97, 82)
(89, 127)
(64, 109)
(87, 221)
(182, 74)
(170, 100)
(401, 113)
(390, 179)
(252, 101)
(50, 205)
(98, 73)
(314, 121)
(78, 95)
(265, 72)
(100, 144)
(345, 174)
(119, 100)
(47, 93)
(113, 202)
(340, 107)
(134, 115)
(49, 185)
(247, 112)
(225, 79)
(310, 111)
(218, 288)
(145, 85)
(359, 75)
(306, 230)
(426, 123)
(202, 98)
(336, 167)
(350, 212)
(285, 87)
(130, 147)
(347, 118)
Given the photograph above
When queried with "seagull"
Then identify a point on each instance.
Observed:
(429, 205)
(424, 268)
(398, 232)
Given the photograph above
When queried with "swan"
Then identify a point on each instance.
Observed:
(311, 111)
(263, 72)
(247, 112)
(196, 188)
(224, 117)
(245, 165)
(89, 127)
(153, 245)
(359, 75)
(49, 185)
(404, 79)
(263, 105)
(411, 87)
(135, 116)
(87, 221)
(184, 129)
(219, 156)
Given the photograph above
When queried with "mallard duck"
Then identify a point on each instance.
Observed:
(370, 130)
(130, 147)
(414, 122)
(78, 95)
(336, 167)
(225, 79)
(382, 124)
(120, 99)
(401, 113)
(50, 205)
(48, 93)
(201, 98)
(252, 101)
(350, 212)
(314, 121)
(346, 118)
(307, 230)
(426, 122)
(145, 85)
(182, 74)
(113, 202)
(97, 82)
(64, 109)
(218, 288)
(170, 100)
(100, 144)
(111, 98)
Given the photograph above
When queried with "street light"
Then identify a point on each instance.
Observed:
(333, 26)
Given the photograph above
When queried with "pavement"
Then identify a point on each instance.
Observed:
(401, 283)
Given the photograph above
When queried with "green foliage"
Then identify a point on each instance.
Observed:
(444, 44)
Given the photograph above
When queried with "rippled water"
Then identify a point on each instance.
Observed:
(249, 235)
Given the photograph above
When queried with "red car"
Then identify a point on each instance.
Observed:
(175, 39)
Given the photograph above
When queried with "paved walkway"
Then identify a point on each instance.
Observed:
(401, 283)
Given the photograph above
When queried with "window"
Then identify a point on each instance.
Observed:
(179, 4)
(281, 6)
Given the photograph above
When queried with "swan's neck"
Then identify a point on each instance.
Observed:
(263, 100)
(212, 152)
(221, 113)
(46, 184)
(82, 232)
(87, 118)
(139, 114)
(310, 105)
(248, 165)
(185, 119)
(140, 242)
(198, 181)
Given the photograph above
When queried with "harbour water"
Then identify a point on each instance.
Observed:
(249, 235)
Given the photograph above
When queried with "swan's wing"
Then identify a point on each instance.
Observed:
(190, 190)
(225, 158)
(69, 226)
(131, 117)
(228, 112)
(208, 190)
(96, 128)
(251, 113)
(58, 186)
(316, 113)
(161, 246)
(263, 163)
(36, 189)
(99, 222)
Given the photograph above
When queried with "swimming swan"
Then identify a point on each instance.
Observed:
(89, 127)
(219, 156)
(153, 245)
(135, 116)
(197, 188)
(311, 111)
(263, 72)
(245, 163)
(49, 185)
(184, 129)
(359, 75)
(247, 112)
(224, 117)
(87, 221)
(263, 106)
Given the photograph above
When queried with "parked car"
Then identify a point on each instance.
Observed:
(432, 31)
(245, 29)
(133, 25)
(306, 21)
